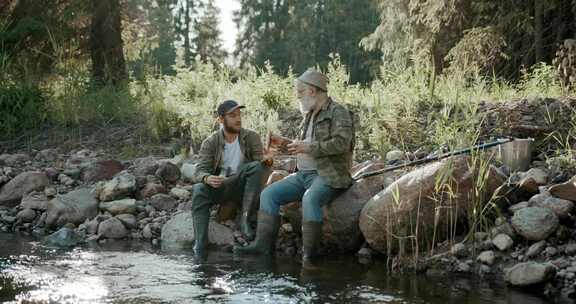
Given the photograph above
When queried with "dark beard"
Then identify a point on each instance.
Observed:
(230, 129)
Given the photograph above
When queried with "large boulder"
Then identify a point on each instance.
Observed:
(178, 232)
(112, 228)
(426, 204)
(561, 207)
(11, 194)
(127, 205)
(102, 170)
(529, 273)
(121, 186)
(74, 207)
(535, 223)
(35, 200)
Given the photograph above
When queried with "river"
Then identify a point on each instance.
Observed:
(135, 272)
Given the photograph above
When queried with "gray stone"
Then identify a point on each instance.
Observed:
(146, 165)
(11, 193)
(147, 232)
(163, 202)
(65, 237)
(65, 180)
(535, 223)
(74, 207)
(535, 249)
(101, 170)
(121, 186)
(561, 207)
(178, 232)
(91, 226)
(551, 251)
(188, 171)
(463, 267)
(112, 228)
(129, 220)
(459, 250)
(395, 155)
(518, 206)
(529, 273)
(14, 159)
(26, 215)
(127, 205)
(533, 178)
(179, 193)
(487, 257)
(570, 249)
(35, 200)
(168, 172)
(505, 228)
(503, 242)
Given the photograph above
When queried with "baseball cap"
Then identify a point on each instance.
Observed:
(228, 106)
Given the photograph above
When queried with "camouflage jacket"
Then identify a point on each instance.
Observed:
(213, 147)
(332, 143)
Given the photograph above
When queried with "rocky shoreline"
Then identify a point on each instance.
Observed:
(526, 236)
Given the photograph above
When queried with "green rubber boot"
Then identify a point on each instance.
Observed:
(266, 234)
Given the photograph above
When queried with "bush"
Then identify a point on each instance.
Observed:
(22, 106)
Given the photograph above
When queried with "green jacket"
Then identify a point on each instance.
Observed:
(213, 147)
(332, 143)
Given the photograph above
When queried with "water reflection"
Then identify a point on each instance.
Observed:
(124, 272)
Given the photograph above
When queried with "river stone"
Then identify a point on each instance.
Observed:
(179, 193)
(26, 215)
(532, 179)
(163, 202)
(518, 206)
(65, 237)
(14, 159)
(35, 200)
(529, 273)
(151, 189)
(112, 228)
(102, 170)
(11, 193)
(74, 207)
(49, 155)
(121, 186)
(129, 220)
(459, 250)
(168, 172)
(146, 165)
(187, 171)
(394, 156)
(390, 218)
(487, 257)
(565, 190)
(503, 242)
(535, 223)
(561, 207)
(178, 232)
(91, 226)
(127, 205)
(535, 249)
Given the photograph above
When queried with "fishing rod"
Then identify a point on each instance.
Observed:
(435, 158)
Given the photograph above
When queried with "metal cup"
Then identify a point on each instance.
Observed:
(517, 154)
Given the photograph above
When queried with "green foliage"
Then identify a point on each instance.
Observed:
(21, 107)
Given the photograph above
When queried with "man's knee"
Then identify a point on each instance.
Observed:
(200, 196)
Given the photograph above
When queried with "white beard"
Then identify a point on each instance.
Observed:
(306, 104)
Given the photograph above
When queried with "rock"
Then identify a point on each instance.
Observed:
(394, 156)
(503, 242)
(565, 190)
(8, 219)
(147, 232)
(26, 215)
(481, 236)
(50, 192)
(459, 250)
(365, 252)
(463, 267)
(74, 207)
(529, 273)
(121, 186)
(35, 200)
(65, 237)
(51, 173)
(561, 207)
(532, 179)
(550, 251)
(178, 232)
(127, 205)
(535, 223)
(504, 228)
(65, 180)
(112, 228)
(518, 206)
(187, 171)
(102, 170)
(391, 216)
(14, 159)
(91, 226)
(535, 249)
(179, 193)
(129, 220)
(570, 249)
(163, 202)
(11, 193)
(487, 257)
(152, 189)
(168, 172)
(146, 165)
(49, 155)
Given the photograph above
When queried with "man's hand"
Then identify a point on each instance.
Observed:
(215, 181)
(268, 157)
(299, 146)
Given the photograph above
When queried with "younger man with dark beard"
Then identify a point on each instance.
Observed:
(230, 167)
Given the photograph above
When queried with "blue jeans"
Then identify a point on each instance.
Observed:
(306, 186)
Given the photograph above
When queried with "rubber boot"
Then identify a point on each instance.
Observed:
(311, 237)
(266, 234)
(248, 202)
(200, 222)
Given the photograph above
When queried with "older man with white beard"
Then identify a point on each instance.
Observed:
(324, 157)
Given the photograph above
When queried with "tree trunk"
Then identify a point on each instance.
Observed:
(106, 47)
(538, 31)
(187, 21)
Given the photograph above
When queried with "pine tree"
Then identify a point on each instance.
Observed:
(207, 41)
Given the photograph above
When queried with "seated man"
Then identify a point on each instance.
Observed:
(324, 157)
(230, 167)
